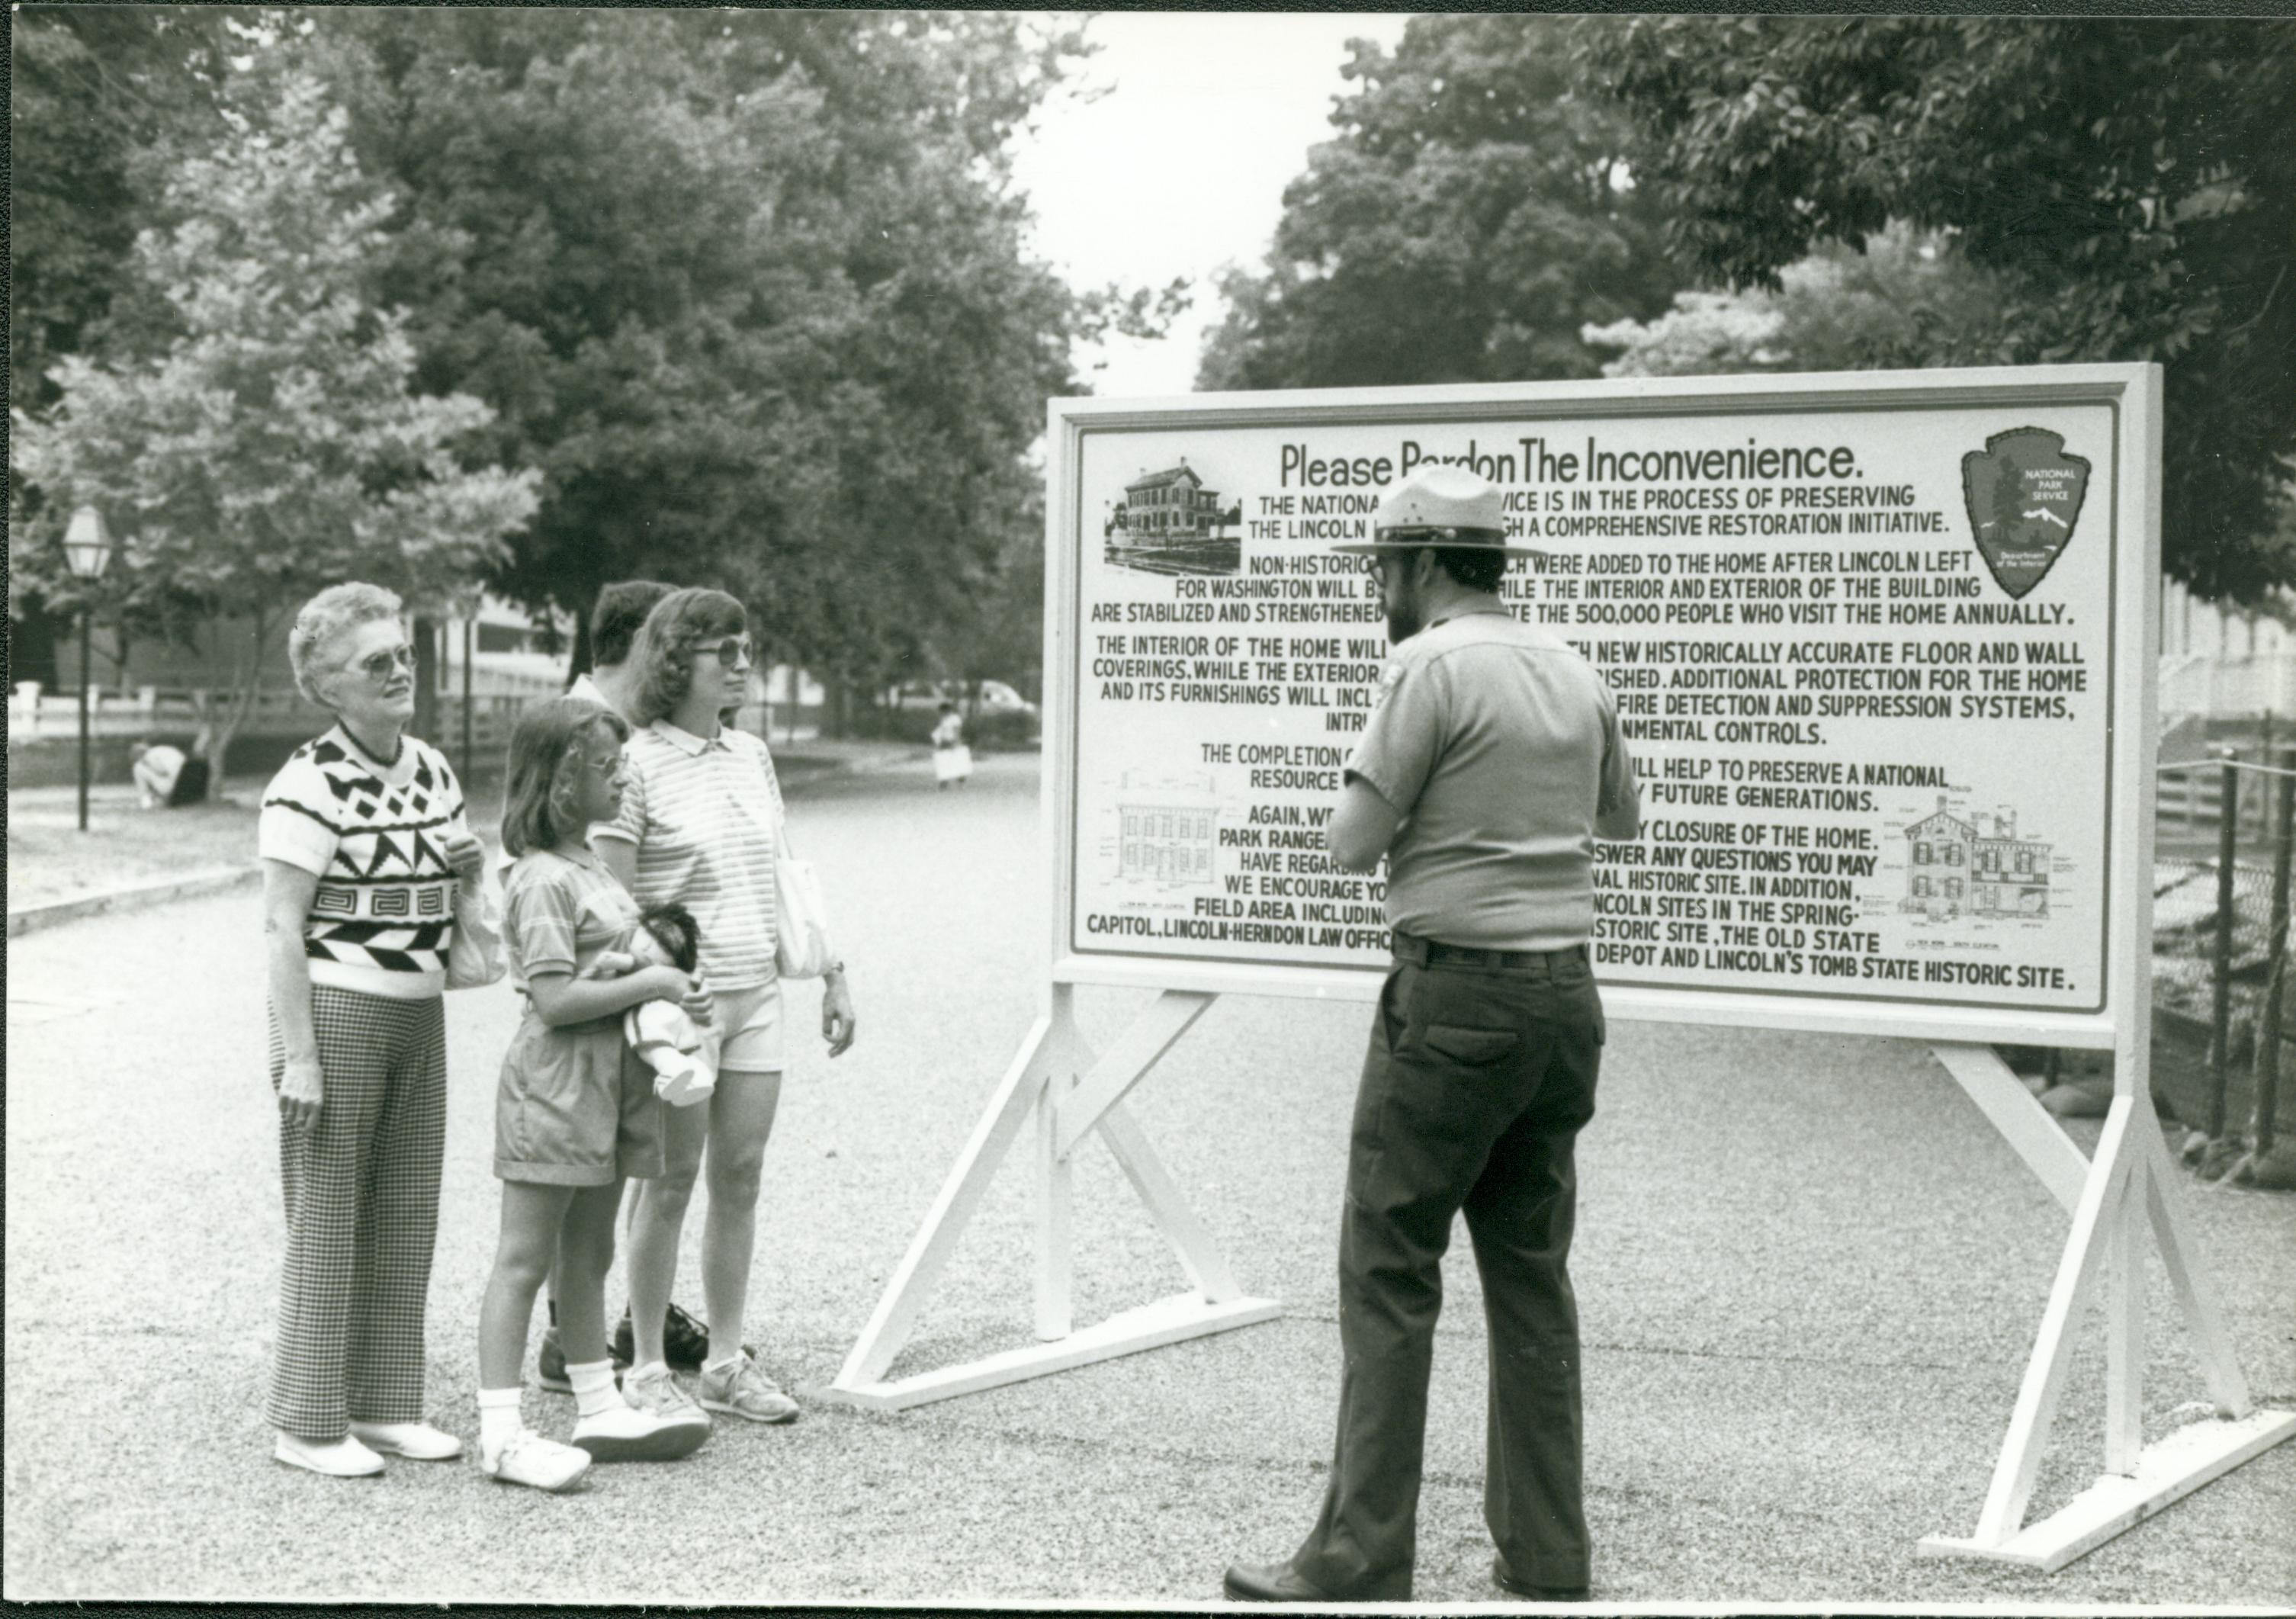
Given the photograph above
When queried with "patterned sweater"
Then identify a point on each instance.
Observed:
(374, 836)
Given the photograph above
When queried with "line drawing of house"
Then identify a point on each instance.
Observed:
(1167, 834)
(1956, 866)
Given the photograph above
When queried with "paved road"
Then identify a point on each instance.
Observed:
(1809, 1272)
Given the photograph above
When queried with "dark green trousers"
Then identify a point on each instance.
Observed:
(1476, 1085)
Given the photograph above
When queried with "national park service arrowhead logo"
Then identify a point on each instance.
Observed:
(2024, 497)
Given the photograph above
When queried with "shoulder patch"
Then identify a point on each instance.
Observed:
(1390, 676)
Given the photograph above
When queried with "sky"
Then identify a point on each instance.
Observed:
(1180, 167)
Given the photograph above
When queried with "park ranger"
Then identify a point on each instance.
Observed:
(1491, 764)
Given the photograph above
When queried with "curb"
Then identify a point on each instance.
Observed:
(32, 918)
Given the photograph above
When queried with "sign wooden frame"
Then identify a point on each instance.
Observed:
(1061, 1093)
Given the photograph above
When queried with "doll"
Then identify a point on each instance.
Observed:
(684, 1059)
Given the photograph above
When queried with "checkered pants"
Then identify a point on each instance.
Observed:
(362, 1192)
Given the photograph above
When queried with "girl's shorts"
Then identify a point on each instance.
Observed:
(575, 1107)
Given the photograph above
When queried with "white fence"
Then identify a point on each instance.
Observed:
(35, 715)
(2219, 688)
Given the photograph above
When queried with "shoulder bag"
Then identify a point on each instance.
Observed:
(474, 944)
(801, 948)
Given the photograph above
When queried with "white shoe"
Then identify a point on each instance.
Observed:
(529, 1458)
(622, 1434)
(344, 1457)
(415, 1441)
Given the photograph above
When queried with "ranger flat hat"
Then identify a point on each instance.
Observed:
(1439, 506)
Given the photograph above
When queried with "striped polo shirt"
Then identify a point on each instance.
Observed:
(375, 834)
(703, 813)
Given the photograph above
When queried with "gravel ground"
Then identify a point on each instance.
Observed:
(1809, 1275)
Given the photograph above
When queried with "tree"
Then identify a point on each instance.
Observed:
(2132, 183)
(255, 436)
(749, 288)
(95, 92)
(1906, 301)
(1470, 216)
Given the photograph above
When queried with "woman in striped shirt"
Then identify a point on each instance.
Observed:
(700, 820)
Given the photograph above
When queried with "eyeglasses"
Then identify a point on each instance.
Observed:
(609, 767)
(1390, 566)
(378, 665)
(733, 650)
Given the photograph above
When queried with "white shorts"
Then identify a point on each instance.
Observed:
(749, 1029)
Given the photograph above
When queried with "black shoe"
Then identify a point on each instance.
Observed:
(550, 1363)
(685, 1341)
(1270, 1583)
(1505, 1578)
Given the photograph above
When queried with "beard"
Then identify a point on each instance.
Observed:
(1403, 622)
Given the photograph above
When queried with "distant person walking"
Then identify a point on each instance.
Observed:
(952, 759)
(365, 848)
(700, 822)
(1492, 762)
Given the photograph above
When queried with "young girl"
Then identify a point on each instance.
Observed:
(567, 1126)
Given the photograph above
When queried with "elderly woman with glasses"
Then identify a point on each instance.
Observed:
(364, 851)
(700, 817)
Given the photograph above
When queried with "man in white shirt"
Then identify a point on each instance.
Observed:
(614, 622)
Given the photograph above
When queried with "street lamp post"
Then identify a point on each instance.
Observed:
(469, 621)
(88, 552)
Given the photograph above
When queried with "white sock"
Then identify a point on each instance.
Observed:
(594, 1387)
(718, 1366)
(498, 1419)
(646, 1368)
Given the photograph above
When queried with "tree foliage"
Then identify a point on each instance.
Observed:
(95, 91)
(748, 288)
(1908, 300)
(253, 434)
(1468, 218)
(2132, 183)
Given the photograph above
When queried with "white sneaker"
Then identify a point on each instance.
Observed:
(415, 1441)
(622, 1434)
(529, 1458)
(741, 1388)
(344, 1457)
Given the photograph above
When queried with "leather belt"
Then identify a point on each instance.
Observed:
(1429, 952)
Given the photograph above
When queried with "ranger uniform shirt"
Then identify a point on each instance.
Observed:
(375, 834)
(1499, 746)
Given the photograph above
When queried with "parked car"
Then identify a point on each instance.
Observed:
(994, 697)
